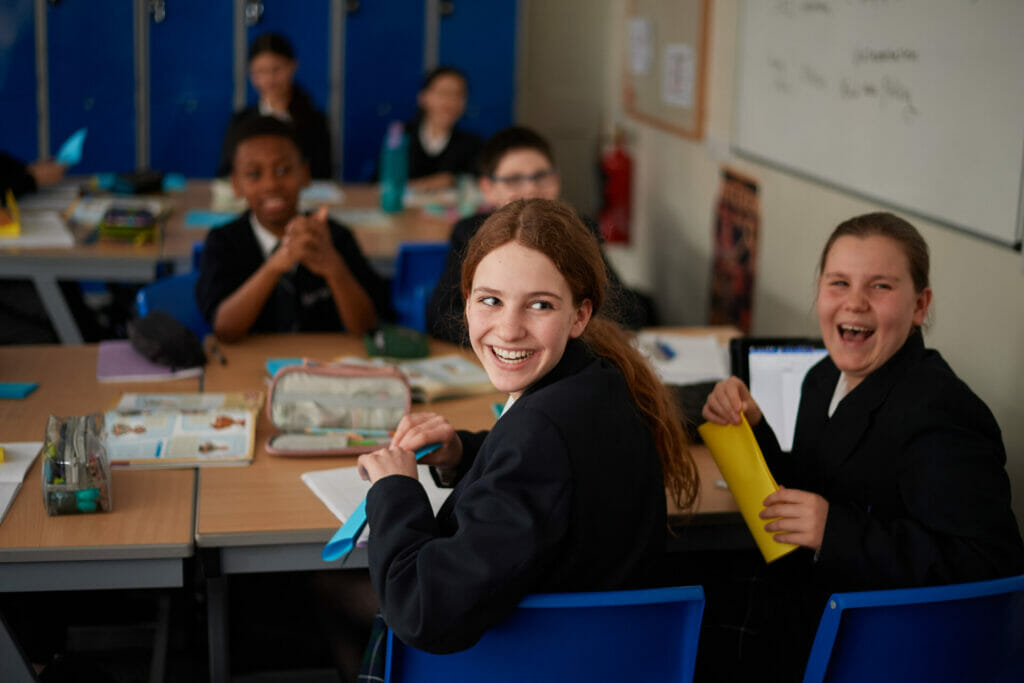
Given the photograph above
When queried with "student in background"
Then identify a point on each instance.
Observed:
(896, 476)
(272, 67)
(22, 178)
(438, 151)
(567, 491)
(515, 163)
(274, 269)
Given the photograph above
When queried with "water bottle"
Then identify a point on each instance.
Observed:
(394, 167)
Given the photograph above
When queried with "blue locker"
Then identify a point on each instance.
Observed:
(480, 39)
(18, 134)
(383, 71)
(307, 25)
(190, 91)
(91, 68)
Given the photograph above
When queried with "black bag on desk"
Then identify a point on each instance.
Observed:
(165, 341)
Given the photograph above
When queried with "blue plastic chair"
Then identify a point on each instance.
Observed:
(176, 296)
(418, 267)
(609, 636)
(962, 632)
(197, 254)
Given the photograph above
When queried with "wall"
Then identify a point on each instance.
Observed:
(978, 311)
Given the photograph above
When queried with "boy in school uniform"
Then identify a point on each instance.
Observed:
(515, 163)
(274, 269)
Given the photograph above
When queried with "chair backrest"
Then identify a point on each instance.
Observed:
(197, 254)
(418, 267)
(176, 296)
(961, 632)
(607, 636)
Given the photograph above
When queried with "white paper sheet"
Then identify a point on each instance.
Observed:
(341, 490)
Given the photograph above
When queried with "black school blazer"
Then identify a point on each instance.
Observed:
(912, 465)
(565, 493)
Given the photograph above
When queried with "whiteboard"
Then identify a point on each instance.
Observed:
(914, 103)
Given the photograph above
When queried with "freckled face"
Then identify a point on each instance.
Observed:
(521, 316)
(867, 305)
(269, 172)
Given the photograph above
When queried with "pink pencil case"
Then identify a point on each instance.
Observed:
(335, 409)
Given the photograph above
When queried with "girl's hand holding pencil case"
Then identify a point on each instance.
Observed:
(335, 409)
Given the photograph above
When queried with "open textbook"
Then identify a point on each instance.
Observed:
(182, 430)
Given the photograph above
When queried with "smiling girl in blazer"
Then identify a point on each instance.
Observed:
(896, 477)
(567, 491)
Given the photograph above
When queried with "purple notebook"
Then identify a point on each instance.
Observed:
(119, 362)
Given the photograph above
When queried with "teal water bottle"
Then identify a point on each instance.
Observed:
(394, 167)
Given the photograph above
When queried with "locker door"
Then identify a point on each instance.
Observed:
(383, 70)
(91, 83)
(480, 39)
(190, 85)
(307, 26)
(18, 134)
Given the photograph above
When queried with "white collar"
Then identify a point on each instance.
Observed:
(267, 110)
(266, 239)
(842, 389)
(433, 146)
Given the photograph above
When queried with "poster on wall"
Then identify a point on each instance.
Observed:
(734, 251)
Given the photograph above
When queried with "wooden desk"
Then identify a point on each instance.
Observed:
(129, 263)
(263, 518)
(267, 505)
(98, 261)
(141, 543)
(378, 242)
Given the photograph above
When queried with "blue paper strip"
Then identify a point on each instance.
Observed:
(17, 389)
(71, 151)
(275, 364)
(199, 218)
(344, 539)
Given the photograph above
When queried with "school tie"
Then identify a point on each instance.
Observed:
(286, 301)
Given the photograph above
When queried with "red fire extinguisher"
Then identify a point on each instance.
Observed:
(617, 170)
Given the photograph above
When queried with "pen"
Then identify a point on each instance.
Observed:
(215, 350)
(665, 350)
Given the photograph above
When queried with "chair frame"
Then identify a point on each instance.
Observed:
(841, 604)
(685, 602)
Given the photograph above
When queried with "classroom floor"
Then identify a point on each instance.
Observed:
(108, 636)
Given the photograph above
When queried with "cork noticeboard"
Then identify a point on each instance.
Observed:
(666, 45)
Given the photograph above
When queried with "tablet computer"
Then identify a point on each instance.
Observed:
(774, 369)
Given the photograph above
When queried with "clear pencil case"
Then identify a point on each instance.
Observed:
(76, 472)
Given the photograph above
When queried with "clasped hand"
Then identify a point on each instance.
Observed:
(416, 430)
(307, 240)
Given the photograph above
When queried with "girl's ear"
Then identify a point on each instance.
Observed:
(921, 303)
(583, 313)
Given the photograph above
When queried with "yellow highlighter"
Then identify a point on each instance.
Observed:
(742, 464)
(11, 228)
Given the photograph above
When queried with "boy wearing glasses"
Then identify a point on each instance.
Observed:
(516, 163)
